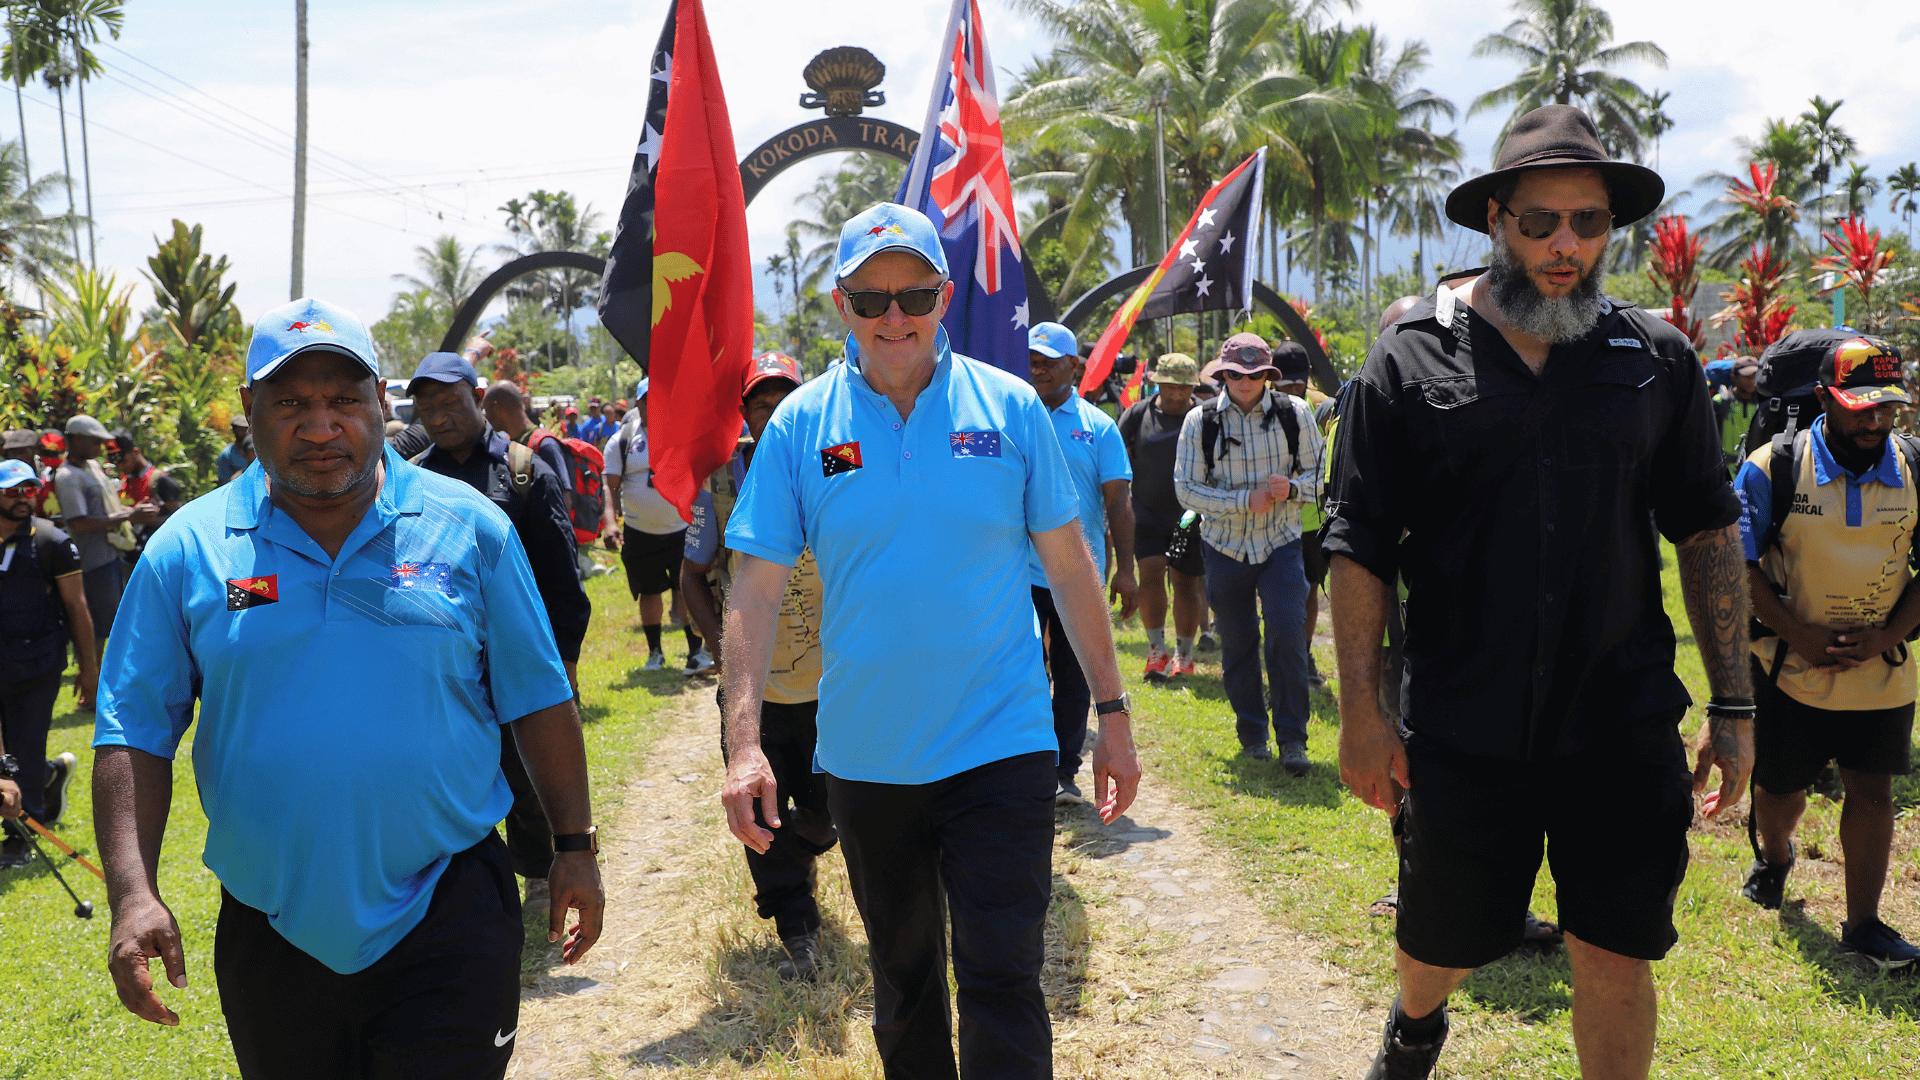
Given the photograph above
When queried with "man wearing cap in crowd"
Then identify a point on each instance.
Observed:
(1517, 429)
(783, 875)
(19, 446)
(360, 635)
(1734, 406)
(446, 397)
(919, 478)
(1102, 483)
(230, 462)
(1150, 429)
(91, 513)
(1248, 462)
(42, 607)
(1835, 681)
(652, 537)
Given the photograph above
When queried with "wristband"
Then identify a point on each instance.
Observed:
(1730, 701)
(588, 841)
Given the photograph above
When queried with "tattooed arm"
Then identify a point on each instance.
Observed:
(1713, 582)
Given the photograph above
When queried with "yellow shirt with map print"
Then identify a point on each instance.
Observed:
(794, 676)
(1843, 577)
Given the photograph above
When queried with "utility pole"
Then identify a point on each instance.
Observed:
(298, 286)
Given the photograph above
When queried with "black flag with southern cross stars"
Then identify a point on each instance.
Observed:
(629, 273)
(1208, 268)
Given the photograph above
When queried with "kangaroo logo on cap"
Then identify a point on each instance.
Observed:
(303, 327)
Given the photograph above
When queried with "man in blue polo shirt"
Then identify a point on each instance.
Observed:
(356, 631)
(1102, 485)
(920, 479)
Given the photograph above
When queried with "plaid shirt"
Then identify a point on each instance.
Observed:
(1252, 447)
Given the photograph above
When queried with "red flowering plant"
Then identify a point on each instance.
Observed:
(1857, 259)
(1756, 301)
(1673, 266)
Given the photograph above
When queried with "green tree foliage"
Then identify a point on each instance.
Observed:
(1904, 185)
(542, 307)
(33, 244)
(189, 287)
(1566, 48)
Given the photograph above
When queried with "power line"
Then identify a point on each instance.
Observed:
(343, 194)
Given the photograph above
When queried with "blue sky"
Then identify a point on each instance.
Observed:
(428, 114)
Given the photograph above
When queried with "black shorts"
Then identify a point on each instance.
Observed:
(1153, 533)
(652, 561)
(442, 1004)
(1793, 741)
(1614, 824)
(1313, 558)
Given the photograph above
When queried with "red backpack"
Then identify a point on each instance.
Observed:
(586, 500)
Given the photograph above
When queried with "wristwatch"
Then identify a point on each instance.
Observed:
(9, 768)
(588, 841)
(1123, 703)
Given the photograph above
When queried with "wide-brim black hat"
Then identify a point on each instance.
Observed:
(1558, 136)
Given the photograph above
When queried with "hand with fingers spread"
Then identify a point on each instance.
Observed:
(574, 882)
(142, 931)
(750, 781)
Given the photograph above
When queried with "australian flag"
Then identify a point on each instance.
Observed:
(959, 179)
(425, 576)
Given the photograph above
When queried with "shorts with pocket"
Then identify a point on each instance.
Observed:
(1793, 741)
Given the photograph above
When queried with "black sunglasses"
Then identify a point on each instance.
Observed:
(1540, 224)
(872, 304)
(1236, 376)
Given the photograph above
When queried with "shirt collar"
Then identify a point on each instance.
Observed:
(1825, 468)
(401, 492)
(489, 442)
(1071, 404)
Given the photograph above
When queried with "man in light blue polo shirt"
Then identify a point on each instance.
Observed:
(920, 480)
(356, 631)
(1102, 486)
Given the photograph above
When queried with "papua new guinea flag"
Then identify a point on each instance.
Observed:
(959, 179)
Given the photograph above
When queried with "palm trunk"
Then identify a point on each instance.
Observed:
(86, 172)
(20, 108)
(66, 160)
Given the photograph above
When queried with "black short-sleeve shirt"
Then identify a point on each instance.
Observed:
(1534, 617)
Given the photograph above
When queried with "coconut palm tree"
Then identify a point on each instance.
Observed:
(1655, 122)
(1831, 144)
(82, 21)
(31, 244)
(1566, 49)
(447, 274)
(1905, 186)
(863, 180)
(1416, 205)
(1859, 190)
(1786, 149)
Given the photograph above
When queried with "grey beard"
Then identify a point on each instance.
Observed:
(308, 491)
(1556, 320)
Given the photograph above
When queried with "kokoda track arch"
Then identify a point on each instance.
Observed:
(826, 135)
(1324, 375)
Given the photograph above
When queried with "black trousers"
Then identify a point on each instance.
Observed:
(1072, 697)
(443, 1004)
(529, 836)
(979, 843)
(783, 877)
(26, 714)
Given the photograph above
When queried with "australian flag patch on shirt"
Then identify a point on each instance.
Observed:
(1082, 436)
(974, 443)
(435, 576)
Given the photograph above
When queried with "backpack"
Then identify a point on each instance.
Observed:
(1210, 425)
(585, 498)
(1789, 368)
(519, 468)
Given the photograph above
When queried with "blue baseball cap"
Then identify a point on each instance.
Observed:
(888, 227)
(444, 367)
(16, 472)
(291, 329)
(1052, 339)
(640, 390)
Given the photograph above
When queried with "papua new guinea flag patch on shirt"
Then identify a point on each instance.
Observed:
(974, 443)
(835, 460)
(249, 592)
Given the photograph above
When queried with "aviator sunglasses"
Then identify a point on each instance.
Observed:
(1540, 224)
(872, 304)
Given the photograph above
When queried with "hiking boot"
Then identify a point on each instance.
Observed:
(699, 663)
(1767, 882)
(1207, 642)
(1293, 755)
(1067, 793)
(656, 661)
(59, 773)
(1157, 665)
(1399, 1060)
(1540, 933)
(803, 957)
(14, 851)
(1258, 753)
(1881, 944)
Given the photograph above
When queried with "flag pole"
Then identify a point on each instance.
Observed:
(923, 155)
(1160, 184)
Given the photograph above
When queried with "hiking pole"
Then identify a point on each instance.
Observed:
(82, 909)
(57, 842)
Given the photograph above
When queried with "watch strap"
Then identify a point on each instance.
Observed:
(1123, 703)
(579, 841)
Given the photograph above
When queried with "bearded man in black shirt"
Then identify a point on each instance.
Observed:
(1503, 448)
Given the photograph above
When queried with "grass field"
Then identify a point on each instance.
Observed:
(61, 1019)
(1746, 993)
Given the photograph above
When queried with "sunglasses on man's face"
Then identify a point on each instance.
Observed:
(1541, 224)
(1236, 376)
(872, 304)
(25, 489)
